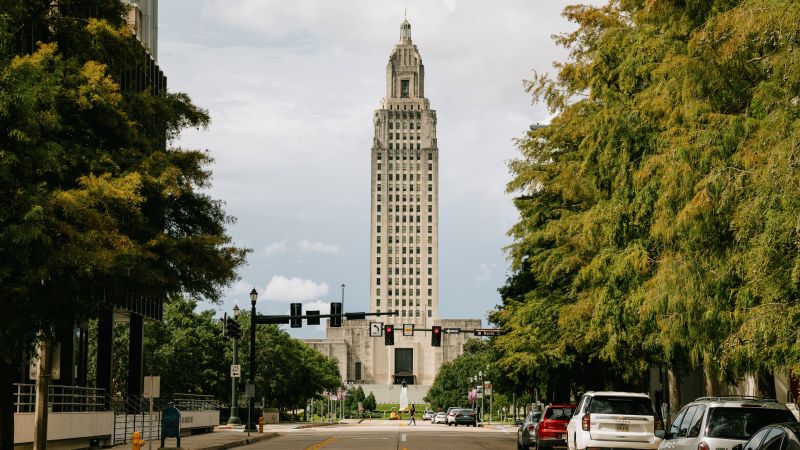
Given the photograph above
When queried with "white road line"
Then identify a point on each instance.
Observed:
(402, 438)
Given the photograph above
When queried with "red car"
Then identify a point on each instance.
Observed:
(552, 429)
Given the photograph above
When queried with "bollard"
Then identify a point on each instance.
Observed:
(136, 440)
(261, 424)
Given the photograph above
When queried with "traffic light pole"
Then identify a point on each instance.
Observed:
(234, 418)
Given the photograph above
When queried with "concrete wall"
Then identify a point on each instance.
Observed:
(78, 426)
(391, 393)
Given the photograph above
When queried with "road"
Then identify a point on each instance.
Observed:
(381, 435)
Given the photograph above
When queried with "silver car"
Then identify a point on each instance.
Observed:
(526, 433)
(722, 423)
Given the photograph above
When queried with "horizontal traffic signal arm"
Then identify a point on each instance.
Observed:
(286, 318)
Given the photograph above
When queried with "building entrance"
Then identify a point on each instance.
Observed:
(404, 365)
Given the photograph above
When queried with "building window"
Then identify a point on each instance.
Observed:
(430, 187)
(417, 313)
(378, 292)
(429, 313)
(430, 219)
(378, 302)
(430, 250)
(404, 313)
(379, 188)
(430, 270)
(404, 88)
(378, 271)
(430, 281)
(430, 198)
(430, 229)
(430, 302)
(379, 228)
(430, 260)
(378, 281)
(430, 166)
(430, 291)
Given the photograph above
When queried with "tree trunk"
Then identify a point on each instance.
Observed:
(42, 394)
(674, 385)
(710, 380)
(765, 384)
(7, 372)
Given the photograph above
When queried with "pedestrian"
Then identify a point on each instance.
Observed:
(412, 411)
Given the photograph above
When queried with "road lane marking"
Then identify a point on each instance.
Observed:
(402, 438)
(319, 445)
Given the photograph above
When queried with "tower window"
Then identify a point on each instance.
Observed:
(404, 88)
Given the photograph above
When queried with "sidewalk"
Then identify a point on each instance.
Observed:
(226, 438)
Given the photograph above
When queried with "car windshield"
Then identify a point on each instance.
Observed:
(741, 423)
(558, 413)
(621, 405)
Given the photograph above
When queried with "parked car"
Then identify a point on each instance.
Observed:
(427, 415)
(784, 436)
(451, 415)
(440, 417)
(614, 420)
(551, 432)
(465, 417)
(711, 423)
(526, 433)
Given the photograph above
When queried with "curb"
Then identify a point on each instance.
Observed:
(241, 442)
(315, 425)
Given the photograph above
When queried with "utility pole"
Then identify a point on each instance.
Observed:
(42, 395)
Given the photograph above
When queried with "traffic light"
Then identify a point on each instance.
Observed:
(296, 310)
(436, 336)
(388, 335)
(234, 330)
(336, 314)
(312, 320)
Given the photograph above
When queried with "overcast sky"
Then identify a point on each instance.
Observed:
(291, 87)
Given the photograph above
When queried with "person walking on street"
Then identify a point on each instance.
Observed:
(412, 411)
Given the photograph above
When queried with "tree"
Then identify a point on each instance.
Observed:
(453, 380)
(658, 210)
(96, 206)
(369, 402)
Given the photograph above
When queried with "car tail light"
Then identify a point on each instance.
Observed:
(586, 423)
(703, 445)
(530, 427)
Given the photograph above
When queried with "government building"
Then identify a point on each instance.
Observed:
(404, 240)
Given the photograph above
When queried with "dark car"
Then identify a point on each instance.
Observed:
(465, 417)
(781, 436)
(552, 429)
(526, 433)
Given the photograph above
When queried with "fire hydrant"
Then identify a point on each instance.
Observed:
(136, 440)
(261, 424)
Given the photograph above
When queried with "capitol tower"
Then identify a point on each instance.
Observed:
(404, 242)
(404, 213)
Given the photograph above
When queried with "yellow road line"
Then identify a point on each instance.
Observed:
(319, 445)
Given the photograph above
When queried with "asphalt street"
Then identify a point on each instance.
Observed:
(380, 435)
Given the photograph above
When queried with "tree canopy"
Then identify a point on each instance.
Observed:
(96, 204)
(659, 210)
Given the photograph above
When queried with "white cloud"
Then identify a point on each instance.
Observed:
(281, 288)
(485, 272)
(276, 247)
(317, 247)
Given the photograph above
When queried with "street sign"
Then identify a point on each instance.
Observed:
(152, 387)
(452, 330)
(487, 332)
(250, 390)
(408, 329)
(487, 387)
(376, 329)
(312, 320)
(236, 371)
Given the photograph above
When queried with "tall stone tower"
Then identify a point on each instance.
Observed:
(404, 240)
(405, 194)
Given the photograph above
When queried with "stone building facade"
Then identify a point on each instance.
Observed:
(404, 239)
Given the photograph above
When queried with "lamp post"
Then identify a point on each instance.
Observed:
(480, 374)
(251, 400)
(234, 418)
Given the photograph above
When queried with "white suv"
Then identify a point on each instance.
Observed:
(613, 420)
(711, 423)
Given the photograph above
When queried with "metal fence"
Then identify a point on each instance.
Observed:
(60, 398)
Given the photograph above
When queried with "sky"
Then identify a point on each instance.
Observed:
(291, 87)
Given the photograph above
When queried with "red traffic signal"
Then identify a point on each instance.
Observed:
(388, 335)
(436, 336)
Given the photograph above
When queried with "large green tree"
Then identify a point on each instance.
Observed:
(659, 209)
(95, 204)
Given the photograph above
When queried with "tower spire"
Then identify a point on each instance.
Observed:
(405, 29)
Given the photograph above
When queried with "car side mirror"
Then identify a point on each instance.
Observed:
(661, 434)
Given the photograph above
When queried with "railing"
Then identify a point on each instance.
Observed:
(60, 399)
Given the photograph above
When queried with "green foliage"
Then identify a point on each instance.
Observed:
(453, 380)
(659, 210)
(288, 372)
(369, 402)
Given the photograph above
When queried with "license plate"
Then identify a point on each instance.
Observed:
(622, 427)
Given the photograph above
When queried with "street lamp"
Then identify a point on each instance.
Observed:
(251, 400)
(234, 418)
